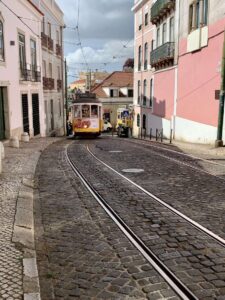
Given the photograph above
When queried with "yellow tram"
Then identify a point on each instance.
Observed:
(86, 112)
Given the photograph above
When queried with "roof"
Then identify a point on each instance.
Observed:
(40, 12)
(80, 81)
(117, 79)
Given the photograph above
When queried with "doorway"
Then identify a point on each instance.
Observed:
(36, 114)
(2, 116)
(26, 127)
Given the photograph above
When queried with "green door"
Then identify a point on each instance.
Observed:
(2, 120)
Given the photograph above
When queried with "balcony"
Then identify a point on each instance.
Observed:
(25, 73)
(59, 85)
(50, 44)
(162, 56)
(48, 83)
(58, 50)
(160, 9)
(44, 40)
(35, 74)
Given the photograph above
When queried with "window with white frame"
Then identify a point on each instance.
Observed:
(146, 56)
(164, 33)
(140, 20)
(1, 42)
(198, 14)
(151, 93)
(139, 58)
(50, 70)
(158, 37)
(22, 51)
(139, 91)
(172, 29)
(144, 92)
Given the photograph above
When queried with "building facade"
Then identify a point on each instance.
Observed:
(21, 94)
(52, 65)
(178, 50)
(116, 91)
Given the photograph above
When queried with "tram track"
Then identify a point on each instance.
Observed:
(202, 230)
(173, 281)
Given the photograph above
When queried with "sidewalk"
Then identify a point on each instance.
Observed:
(17, 259)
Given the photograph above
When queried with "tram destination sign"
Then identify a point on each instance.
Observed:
(86, 95)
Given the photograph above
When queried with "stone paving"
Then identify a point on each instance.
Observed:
(17, 165)
(193, 256)
(81, 252)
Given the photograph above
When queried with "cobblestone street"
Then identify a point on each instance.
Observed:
(81, 252)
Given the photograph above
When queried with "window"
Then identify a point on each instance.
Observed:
(85, 111)
(138, 120)
(49, 30)
(151, 93)
(139, 91)
(113, 93)
(59, 73)
(1, 41)
(43, 25)
(76, 111)
(146, 19)
(50, 70)
(164, 34)
(33, 57)
(22, 52)
(57, 37)
(140, 20)
(60, 108)
(139, 58)
(130, 93)
(144, 122)
(172, 29)
(144, 92)
(146, 56)
(94, 111)
(198, 14)
(158, 38)
(44, 68)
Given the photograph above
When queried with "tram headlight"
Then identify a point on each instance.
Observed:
(85, 126)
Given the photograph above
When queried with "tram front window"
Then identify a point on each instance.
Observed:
(94, 111)
(85, 111)
(76, 111)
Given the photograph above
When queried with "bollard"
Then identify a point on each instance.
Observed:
(156, 134)
(14, 142)
(150, 134)
(2, 150)
(25, 137)
(171, 134)
(0, 161)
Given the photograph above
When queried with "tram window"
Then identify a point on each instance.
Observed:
(76, 111)
(94, 111)
(85, 111)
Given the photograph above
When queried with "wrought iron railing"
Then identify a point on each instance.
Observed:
(44, 40)
(50, 44)
(162, 54)
(30, 73)
(59, 84)
(25, 73)
(161, 8)
(58, 50)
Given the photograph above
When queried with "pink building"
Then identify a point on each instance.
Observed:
(178, 50)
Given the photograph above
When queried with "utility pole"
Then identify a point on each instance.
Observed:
(219, 141)
(90, 81)
(66, 98)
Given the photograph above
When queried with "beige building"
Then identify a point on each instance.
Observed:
(116, 91)
(52, 65)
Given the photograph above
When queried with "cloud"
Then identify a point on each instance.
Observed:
(112, 52)
(102, 19)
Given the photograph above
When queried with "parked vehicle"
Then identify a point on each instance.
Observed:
(107, 126)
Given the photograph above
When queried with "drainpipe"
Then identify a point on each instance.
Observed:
(219, 141)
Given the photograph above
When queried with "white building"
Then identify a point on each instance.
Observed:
(21, 94)
(52, 65)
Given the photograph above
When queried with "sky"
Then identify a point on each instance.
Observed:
(106, 29)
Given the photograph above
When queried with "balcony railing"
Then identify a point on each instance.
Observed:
(58, 50)
(144, 100)
(162, 55)
(59, 85)
(44, 40)
(48, 83)
(30, 73)
(25, 73)
(161, 8)
(50, 44)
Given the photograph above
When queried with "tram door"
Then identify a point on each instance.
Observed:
(2, 116)
(36, 117)
(25, 110)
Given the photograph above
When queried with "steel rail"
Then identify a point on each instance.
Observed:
(203, 229)
(173, 281)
